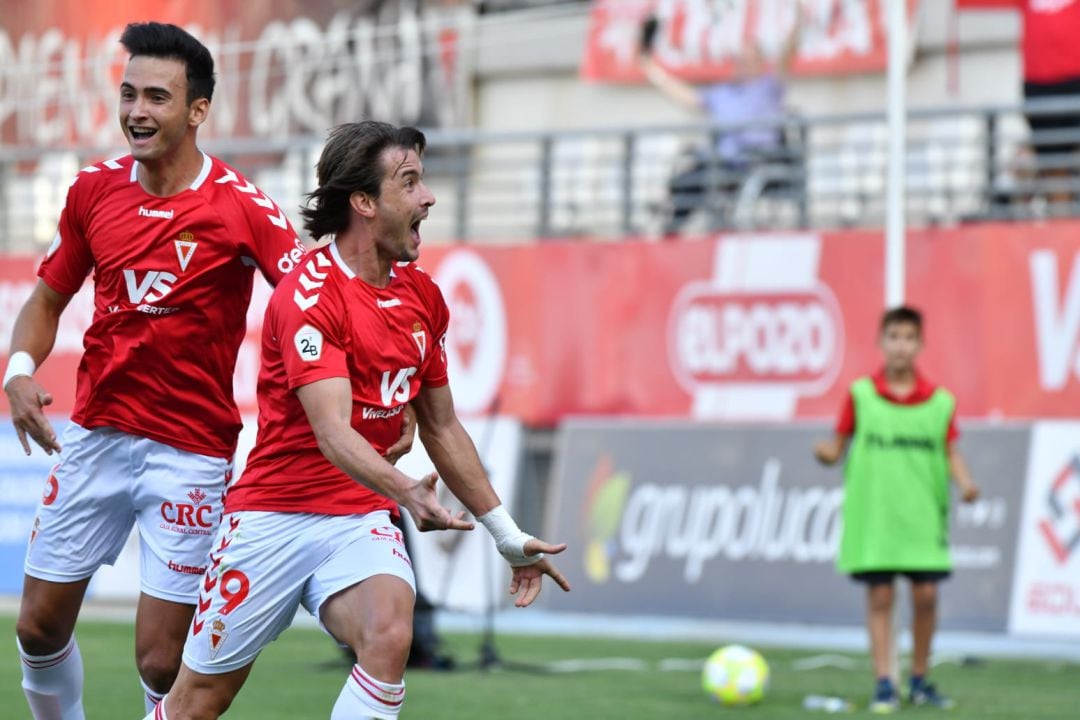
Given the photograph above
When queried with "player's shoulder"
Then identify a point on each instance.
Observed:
(415, 275)
(313, 286)
(104, 174)
(228, 188)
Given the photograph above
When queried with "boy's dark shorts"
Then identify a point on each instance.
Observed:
(885, 577)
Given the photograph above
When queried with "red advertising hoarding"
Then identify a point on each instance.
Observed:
(759, 327)
(701, 41)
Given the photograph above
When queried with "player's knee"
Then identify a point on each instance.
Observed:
(924, 599)
(390, 638)
(158, 669)
(37, 636)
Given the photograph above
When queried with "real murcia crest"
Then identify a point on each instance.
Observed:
(185, 248)
(421, 340)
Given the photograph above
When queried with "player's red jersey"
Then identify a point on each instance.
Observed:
(324, 322)
(172, 282)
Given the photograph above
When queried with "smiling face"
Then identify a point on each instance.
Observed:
(154, 112)
(402, 205)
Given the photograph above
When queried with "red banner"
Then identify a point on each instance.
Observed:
(732, 327)
(283, 67)
(700, 41)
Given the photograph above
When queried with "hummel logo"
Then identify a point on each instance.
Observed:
(388, 303)
(197, 496)
(166, 214)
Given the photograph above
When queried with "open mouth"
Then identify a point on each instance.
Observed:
(415, 227)
(141, 134)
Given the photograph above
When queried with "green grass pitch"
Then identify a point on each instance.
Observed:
(299, 676)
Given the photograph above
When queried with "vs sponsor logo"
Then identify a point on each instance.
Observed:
(151, 286)
(1060, 521)
(397, 388)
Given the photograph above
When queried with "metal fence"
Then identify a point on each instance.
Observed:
(827, 172)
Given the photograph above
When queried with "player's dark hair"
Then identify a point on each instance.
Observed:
(160, 40)
(902, 314)
(351, 161)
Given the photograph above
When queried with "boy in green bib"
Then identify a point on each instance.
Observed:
(899, 431)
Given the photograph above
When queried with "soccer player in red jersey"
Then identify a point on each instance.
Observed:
(173, 237)
(350, 337)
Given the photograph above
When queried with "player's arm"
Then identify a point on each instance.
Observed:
(328, 405)
(404, 442)
(961, 475)
(31, 342)
(456, 459)
(830, 452)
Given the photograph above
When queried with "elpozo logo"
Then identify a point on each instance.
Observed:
(763, 322)
(790, 339)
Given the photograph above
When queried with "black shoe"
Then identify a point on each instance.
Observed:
(430, 661)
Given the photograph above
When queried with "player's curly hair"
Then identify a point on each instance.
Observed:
(161, 40)
(351, 161)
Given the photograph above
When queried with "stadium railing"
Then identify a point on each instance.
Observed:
(963, 165)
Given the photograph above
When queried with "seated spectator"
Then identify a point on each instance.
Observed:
(755, 94)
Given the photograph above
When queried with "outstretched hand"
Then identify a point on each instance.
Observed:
(527, 580)
(423, 504)
(28, 401)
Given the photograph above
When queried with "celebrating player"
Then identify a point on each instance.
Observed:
(350, 338)
(172, 236)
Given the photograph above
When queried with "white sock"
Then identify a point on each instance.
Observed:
(158, 711)
(150, 698)
(365, 697)
(53, 683)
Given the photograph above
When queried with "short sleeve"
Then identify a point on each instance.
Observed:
(845, 424)
(68, 260)
(272, 242)
(310, 342)
(434, 372)
(952, 434)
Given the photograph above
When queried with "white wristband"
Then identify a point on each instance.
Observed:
(19, 364)
(509, 538)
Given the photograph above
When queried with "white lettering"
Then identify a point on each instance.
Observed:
(166, 214)
(370, 413)
(160, 282)
(758, 338)
(399, 388)
(699, 523)
(1057, 328)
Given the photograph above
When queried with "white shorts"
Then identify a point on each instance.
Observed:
(264, 565)
(106, 481)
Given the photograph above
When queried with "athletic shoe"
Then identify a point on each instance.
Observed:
(924, 693)
(886, 700)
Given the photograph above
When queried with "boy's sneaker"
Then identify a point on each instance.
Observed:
(886, 700)
(924, 693)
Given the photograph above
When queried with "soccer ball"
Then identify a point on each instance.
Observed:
(735, 675)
